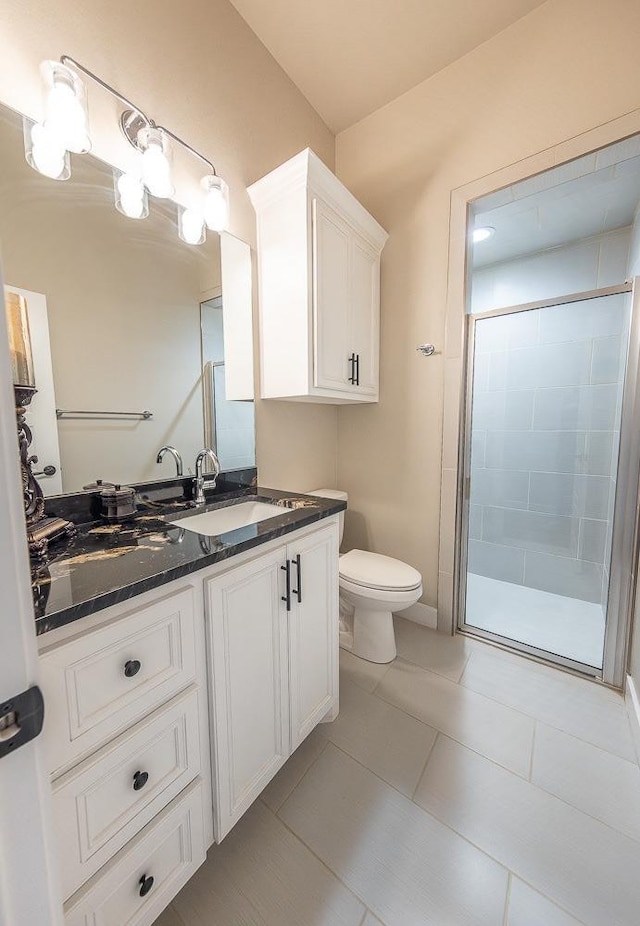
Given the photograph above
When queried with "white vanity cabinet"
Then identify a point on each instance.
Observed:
(231, 667)
(126, 737)
(273, 650)
(319, 269)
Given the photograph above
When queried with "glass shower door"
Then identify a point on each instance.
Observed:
(542, 440)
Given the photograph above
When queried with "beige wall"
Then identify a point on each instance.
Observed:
(198, 68)
(569, 66)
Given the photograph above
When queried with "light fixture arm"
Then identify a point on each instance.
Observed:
(189, 148)
(132, 109)
(67, 60)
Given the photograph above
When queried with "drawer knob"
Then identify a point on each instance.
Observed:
(146, 883)
(132, 667)
(139, 780)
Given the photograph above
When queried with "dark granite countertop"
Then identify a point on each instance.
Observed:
(109, 563)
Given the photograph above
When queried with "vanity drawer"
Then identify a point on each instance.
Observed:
(108, 798)
(169, 850)
(99, 683)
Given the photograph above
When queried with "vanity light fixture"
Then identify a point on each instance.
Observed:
(65, 107)
(64, 128)
(44, 152)
(216, 202)
(130, 195)
(482, 233)
(156, 170)
(191, 226)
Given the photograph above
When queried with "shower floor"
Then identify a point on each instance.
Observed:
(564, 626)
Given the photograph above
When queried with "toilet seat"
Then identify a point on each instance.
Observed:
(375, 571)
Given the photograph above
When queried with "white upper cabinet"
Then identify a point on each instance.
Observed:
(319, 269)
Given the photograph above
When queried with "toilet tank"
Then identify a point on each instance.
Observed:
(333, 493)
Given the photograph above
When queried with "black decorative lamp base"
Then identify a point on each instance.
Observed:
(41, 530)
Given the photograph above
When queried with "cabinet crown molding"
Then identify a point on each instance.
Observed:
(307, 171)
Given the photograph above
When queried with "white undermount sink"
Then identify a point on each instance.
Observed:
(221, 520)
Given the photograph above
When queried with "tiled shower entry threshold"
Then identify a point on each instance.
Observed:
(560, 626)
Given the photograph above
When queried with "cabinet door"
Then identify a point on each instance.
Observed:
(331, 295)
(313, 630)
(247, 637)
(364, 313)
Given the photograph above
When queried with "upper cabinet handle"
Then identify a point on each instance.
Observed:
(357, 369)
(352, 378)
(287, 596)
(132, 667)
(298, 591)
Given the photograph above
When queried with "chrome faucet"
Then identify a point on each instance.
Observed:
(174, 453)
(198, 482)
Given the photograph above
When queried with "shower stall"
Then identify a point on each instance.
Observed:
(544, 407)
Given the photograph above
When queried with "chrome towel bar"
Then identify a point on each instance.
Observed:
(87, 415)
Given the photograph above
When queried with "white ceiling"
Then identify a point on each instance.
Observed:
(349, 57)
(585, 197)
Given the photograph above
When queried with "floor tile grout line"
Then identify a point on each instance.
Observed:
(423, 810)
(322, 862)
(301, 779)
(510, 707)
(533, 749)
(539, 788)
(459, 742)
(546, 897)
(507, 900)
(426, 762)
(419, 720)
(529, 780)
(382, 677)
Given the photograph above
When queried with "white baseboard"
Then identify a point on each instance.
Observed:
(421, 614)
(633, 707)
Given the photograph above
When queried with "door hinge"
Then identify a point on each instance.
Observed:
(21, 720)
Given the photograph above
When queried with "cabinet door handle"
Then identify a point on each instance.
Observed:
(357, 369)
(287, 596)
(298, 591)
(132, 667)
(139, 780)
(352, 378)
(146, 883)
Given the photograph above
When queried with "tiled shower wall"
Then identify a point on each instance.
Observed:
(547, 388)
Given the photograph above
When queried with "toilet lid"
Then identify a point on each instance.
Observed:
(376, 571)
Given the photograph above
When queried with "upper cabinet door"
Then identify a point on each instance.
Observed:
(313, 630)
(331, 298)
(364, 313)
(247, 630)
(319, 265)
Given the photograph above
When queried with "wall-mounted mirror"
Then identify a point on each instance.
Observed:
(126, 326)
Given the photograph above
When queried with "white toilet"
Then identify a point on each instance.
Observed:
(372, 588)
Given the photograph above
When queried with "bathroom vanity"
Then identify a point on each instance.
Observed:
(178, 689)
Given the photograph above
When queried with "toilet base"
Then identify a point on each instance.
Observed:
(373, 636)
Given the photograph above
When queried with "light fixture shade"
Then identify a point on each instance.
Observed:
(130, 195)
(65, 107)
(191, 226)
(155, 166)
(215, 206)
(44, 152)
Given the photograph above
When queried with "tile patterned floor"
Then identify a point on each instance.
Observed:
(460, 786)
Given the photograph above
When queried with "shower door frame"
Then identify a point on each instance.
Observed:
(624, 546)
